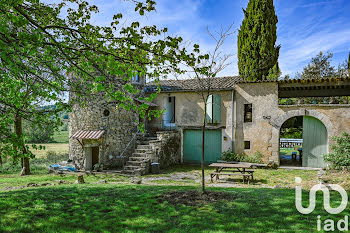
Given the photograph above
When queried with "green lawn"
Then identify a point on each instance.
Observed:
(131, 208)
(58, 148)
(287, 151)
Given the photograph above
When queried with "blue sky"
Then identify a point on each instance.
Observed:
(305, 27)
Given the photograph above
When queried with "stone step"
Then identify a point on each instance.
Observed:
(147, 151)
(142, 142)
(150, 138)
(137, 163)
(144, 147)
(138, 158)
(141, 154)
(131, 167)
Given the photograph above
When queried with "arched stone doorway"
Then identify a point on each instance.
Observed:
(277, 123)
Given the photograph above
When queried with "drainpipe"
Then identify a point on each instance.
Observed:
(232, 112)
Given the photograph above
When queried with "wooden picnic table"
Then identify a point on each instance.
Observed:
(231, 169)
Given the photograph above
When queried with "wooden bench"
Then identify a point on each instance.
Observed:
(249, 175)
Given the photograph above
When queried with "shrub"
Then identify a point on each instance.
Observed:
(230, 156)
(38, 133)
(255, 158)
(340, 156)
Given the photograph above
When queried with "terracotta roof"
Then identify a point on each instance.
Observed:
(283, 81)
(88, 134)
(219, 83)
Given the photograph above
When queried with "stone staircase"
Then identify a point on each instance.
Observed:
(139, 162)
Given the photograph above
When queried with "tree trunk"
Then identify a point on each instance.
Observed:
(203, 146)
(19, 132)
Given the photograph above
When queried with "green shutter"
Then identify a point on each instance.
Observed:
(210, 109)
(315, 142)
(217, 109)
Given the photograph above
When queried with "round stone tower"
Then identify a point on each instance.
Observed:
(99, 132)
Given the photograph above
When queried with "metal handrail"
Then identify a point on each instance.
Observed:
(127, 146)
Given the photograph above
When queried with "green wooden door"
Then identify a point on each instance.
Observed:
(315, 142)
(192, 146)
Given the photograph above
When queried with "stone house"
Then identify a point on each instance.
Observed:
(246, 117)
(103, 136)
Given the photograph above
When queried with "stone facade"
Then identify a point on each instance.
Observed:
(119, 125)
(267, 117)
(167, 149)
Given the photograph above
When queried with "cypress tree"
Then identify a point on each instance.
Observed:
(257, 53)
(349, 65)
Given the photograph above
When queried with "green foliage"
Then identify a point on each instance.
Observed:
(46, 48)
(35, 133)
(230, 156)
(291, 133)
(257, 53)
(39, 164)
(349, 65)
(340, 156)
(319, 67)
(287, 101)
(61, 137)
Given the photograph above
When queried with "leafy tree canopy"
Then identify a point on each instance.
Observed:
(319, 67)
(42, 45)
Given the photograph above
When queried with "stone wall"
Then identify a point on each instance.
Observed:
(264, 100)
(119, 126)
(268, 117)
(167, 149)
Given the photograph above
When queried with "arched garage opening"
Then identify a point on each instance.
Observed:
(303, 142)
(317, 129)
(291, 142)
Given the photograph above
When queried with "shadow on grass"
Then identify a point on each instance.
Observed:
(136, 208)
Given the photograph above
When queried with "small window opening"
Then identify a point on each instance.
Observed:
(246, 145)
(248, 113)
(106, 112)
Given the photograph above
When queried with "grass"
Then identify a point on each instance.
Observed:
(287, 151)
(131, 208)
(119, 206)
(58, 148)
(52, 154)
(61, 137)
(189, 174)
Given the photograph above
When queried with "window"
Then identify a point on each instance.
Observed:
(247, 145)
(136, 78)
(214, 109)
(106, 112)
(248, 113)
